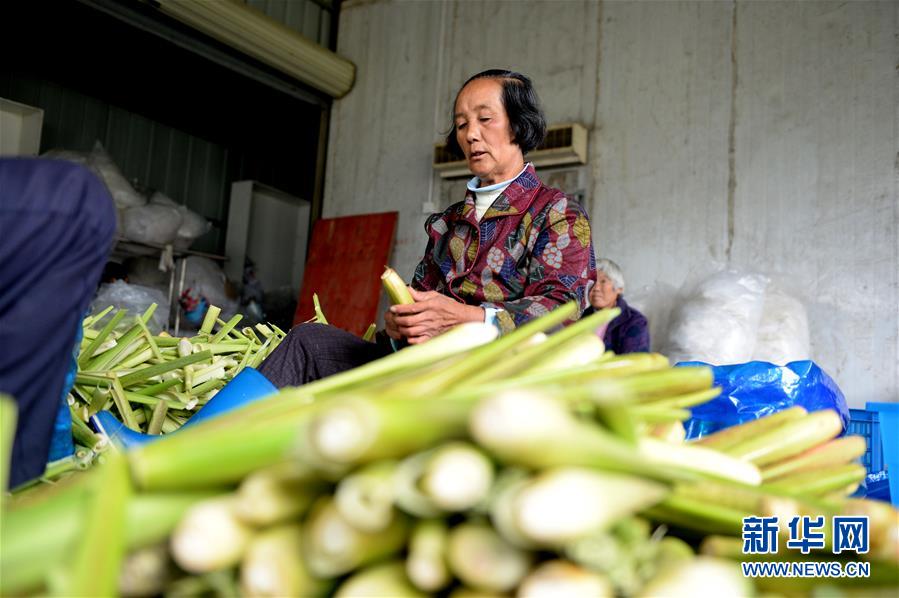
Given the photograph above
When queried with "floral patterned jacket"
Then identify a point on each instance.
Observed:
(530, 253)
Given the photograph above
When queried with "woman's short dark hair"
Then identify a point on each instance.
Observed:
(522, 107)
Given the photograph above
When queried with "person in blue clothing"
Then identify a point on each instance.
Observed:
(57, 225)
(629, 332)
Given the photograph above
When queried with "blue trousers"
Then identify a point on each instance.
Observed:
(57, 224)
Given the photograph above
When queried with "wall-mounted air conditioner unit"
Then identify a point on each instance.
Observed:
(564, 144)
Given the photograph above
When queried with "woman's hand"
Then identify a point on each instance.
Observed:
(430, 315)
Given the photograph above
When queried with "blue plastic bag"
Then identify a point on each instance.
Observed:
(755, 389)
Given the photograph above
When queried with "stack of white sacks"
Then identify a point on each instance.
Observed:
(726, 318)
(157, 221)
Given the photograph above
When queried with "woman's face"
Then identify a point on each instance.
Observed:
(484, 133)
(604, 293)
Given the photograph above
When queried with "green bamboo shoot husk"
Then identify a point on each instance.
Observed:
(319, 314)
(356, 431)
(529, 357)
(472, 366)
(100, 550)
(366, 497)
(819, 482)
(836, 452)
(89, 321)
(697, 515)
(160, 410)
(212, 313)
(333, 547)
(483, 560)
(385, 579)
(618, 366)
(210, 536)
(582, 350)
(562, 578)
(276, 494)
(426, 563)
(274, 565)
(457, 476)
(108, 358)
(526, 428)
(565, 504)
(88, 353)
(210, 457)
(701, 461)
(789, 439)
(161, 368)
(729, 437)
(8, 417)
(226, 329)
(157, 388)
(129, 418)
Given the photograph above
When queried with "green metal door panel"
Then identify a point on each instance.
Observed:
(137, 153)
(177, 163)
(157, 177)
(50, 99)
(68, 123)
(93, 124)
(195, 193)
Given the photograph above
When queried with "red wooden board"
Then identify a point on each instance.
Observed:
(343, 267)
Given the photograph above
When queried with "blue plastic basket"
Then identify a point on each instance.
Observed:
(888, 424)
(867, 423)
(879, 424)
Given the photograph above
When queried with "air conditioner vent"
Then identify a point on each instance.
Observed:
(564, 144)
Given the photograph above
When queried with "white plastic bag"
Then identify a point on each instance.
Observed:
(69, 155)
(204, 277)
(121, 190)
(718, 321)
(136, 299)
(783, 330)
(151, 223)
(192, 225)
(162, 199)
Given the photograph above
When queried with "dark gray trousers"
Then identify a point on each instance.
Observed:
(314, 351)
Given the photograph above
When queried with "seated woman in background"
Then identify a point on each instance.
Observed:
(629, 332)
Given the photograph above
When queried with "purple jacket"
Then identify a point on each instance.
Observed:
(628, 333)
(530, 253)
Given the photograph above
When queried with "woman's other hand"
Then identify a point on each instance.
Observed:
(430, 315)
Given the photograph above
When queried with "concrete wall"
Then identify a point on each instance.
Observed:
(756, 134)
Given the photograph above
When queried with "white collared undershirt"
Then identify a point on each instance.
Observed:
(485, 196)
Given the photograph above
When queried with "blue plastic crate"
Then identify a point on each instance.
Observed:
(866, 423)
(888, 433)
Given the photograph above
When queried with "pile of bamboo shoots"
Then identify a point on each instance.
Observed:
(154, 383)
(535, 464)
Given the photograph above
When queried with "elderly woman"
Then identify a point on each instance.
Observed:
(512, 250)
(629, 332)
